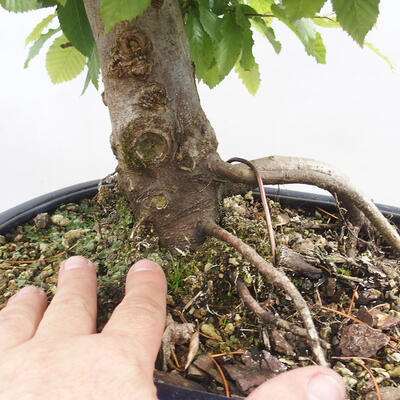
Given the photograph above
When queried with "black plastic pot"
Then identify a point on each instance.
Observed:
(28, 210)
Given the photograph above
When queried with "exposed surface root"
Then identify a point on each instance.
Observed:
(267, 317)
(284, 170)
(276, 277)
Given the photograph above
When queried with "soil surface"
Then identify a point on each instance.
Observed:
(354, 300)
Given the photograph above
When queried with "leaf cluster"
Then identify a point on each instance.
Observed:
(220, 32)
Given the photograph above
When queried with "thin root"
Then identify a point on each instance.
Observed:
(276, 277)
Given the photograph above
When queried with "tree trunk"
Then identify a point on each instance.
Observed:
(160, 134)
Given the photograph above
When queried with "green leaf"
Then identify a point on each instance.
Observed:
(75, 26)
(261, 6)
(114, 11)
(229, 47)
(326, 22)
(63, 61)
(47, 3)
(209, 20)
(241, 19)
(38, 44)
(357, 17)
(379, 54)
(19, 5)
(93, 64)
(267, 32)
(62, 2)
(296, 9)
(306, 32)
(201, 46)
(211, 77)
(250, 78)
(38, 29)
(247, 60)
(219, 6)
(26, 5)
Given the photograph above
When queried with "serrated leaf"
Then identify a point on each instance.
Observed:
(114, 11)
(201, 46)
(38, 44)
(267, 32)
(379, 54)
(250, 78)
(211, 77)
(296, 9)
(19, 5)
(75, 26)
(63, 61)
(93, 65)
(247, 60)
(261, 6)
(306, 32)
(229, 47)
(38, 29)
(311, 39)
(26, 5)
(357, 17)
(209, 20)
(326, 22)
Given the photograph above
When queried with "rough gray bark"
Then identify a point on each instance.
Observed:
(160, 135)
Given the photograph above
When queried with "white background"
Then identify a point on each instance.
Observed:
(346, 113)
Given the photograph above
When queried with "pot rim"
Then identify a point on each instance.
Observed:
(47, 202)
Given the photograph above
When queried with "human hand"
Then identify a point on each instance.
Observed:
(308, 383)
(57, 354)
(54, 353)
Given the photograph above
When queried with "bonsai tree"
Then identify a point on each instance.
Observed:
(150, 53)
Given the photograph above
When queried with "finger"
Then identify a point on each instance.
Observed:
(20, 318)
(140, 317)
(308, 383)
(74, 307)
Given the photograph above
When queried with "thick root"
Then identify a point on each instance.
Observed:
(276, 277)
(283, 170)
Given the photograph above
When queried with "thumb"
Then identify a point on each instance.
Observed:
(308, 383)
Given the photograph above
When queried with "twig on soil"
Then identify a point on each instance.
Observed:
(282, 170)
(343, 314)
(230, 353)
(175, 358)
(267, 317)
(263, 202)
(327, 213)
(39, 259)
(226, 386)
(275, 276)
(352, 300)
(357, 360)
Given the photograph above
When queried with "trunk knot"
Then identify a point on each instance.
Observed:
(146, 140)
(131, 56)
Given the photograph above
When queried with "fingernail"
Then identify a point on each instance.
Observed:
(75, 262)
(23, 292)
(326, 387)
(144, 265)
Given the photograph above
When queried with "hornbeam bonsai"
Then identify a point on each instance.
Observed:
(150, 54)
